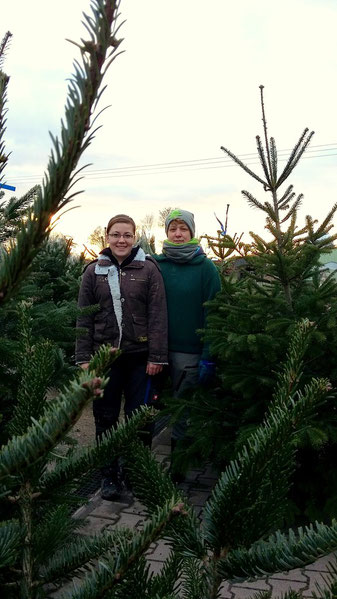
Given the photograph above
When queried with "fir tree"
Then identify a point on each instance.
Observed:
(12, 211)
(50, 290)
(231, 544)
(36, 524)
(53, 285)
(39, 541)
(252, 319)
(98, 238)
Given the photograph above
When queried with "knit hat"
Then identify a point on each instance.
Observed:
(184, 215)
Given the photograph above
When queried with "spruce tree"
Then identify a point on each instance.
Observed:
(51, 291)
(39, 541)
(268, 285)
(36, 524)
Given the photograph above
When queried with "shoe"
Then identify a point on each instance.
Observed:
(110, 489)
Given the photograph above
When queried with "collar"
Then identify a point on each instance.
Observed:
(106, 258)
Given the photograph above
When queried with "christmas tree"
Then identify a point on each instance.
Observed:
(40, 544)
(37, 530)
(268, 285)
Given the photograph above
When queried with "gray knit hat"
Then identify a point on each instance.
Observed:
(184, 215)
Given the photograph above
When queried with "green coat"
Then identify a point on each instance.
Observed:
(188, 286)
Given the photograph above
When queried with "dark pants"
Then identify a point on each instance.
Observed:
(127, 376)
(184, 375)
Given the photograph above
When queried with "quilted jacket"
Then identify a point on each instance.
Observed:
(132, 311)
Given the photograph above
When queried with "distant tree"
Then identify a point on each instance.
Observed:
(144, 235)
(98, 238)
(163, 214)
(146, 224)
(12, 212)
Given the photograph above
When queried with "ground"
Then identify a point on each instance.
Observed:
(84, 430)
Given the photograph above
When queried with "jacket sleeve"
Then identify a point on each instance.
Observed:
(157, 327)
(211, 286)
(86, 297)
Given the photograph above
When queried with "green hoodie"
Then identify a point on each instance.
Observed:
(188, 286)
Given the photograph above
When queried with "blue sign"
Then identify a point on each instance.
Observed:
(7, 187)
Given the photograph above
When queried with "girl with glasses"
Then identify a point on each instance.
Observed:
(128, 286)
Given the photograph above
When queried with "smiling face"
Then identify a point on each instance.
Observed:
(178, 232)
(121, 238)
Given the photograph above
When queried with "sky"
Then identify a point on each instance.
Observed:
(186, 83)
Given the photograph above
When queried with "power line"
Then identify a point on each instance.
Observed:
(188, 165)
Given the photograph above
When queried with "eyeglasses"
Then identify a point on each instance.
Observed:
(127, 236)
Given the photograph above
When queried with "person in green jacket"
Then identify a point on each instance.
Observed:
(190, 279)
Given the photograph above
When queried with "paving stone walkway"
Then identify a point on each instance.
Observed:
(102, 514)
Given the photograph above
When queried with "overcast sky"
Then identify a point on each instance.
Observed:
(187, 83)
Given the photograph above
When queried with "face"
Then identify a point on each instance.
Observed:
(178, 232)
(121, 238)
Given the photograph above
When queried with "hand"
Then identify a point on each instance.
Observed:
(153, 368)
(85, 365)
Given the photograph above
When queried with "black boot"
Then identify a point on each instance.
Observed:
(111, 489)
(111, 485)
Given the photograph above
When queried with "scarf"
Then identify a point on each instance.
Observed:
(111, 269)
(182, 252)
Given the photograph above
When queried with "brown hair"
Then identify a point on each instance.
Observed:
(180, 221)
(121, 218)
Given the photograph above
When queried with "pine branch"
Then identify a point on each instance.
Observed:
(10, 541)
(45, 433)
(154, 488)
(260, 243)
(75, 137)
(273, 159)
(271, 212)
(257, 481)
(4, 79)
(294, 208)
(37, 374)
(244, 166)
(290, 235)
(310, 226)
(196, 581)
(286, 198)
(253, 201)
(81, 552)
(85, 460)
(103, 358)
(260, 151)
(164, 583)
(281, 552)
(4, 47)
(114, 567)
(52, 532)
(12, 212)
(295, 155)
(271, 226)
(322, 229)
(264, 120)
(289, 376)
